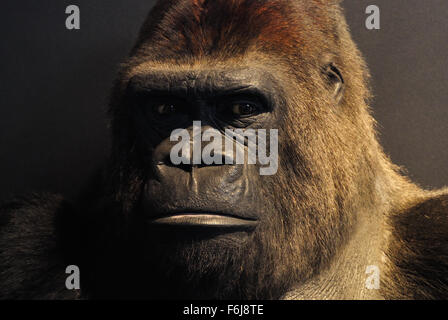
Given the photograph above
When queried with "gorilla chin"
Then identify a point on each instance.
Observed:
(203, 256)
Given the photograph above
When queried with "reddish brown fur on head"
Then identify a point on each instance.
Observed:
(228, 27)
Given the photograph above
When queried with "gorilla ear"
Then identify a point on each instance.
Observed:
(334, 79)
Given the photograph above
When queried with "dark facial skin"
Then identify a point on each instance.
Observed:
(213, 198)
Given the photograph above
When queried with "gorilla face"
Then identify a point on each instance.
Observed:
(201, 217)
(223, 197)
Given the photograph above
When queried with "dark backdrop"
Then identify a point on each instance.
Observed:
(55, 85)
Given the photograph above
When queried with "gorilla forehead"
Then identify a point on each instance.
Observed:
(205, 81)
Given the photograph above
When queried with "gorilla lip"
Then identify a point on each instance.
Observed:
(205, 220)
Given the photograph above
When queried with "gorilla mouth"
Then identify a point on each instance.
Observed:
(210, 220)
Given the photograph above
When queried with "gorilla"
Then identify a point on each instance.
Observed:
(146, 228)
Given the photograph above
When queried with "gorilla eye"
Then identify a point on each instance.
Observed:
(165, 109)
(243, 109)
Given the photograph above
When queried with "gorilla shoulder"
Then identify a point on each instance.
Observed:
(418, 252)
(31, 257)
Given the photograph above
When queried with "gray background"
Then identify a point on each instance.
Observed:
(55, 85)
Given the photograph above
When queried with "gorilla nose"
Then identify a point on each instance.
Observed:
(216, 171)
(164, 155)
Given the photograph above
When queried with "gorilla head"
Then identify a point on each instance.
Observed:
(224, 230)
